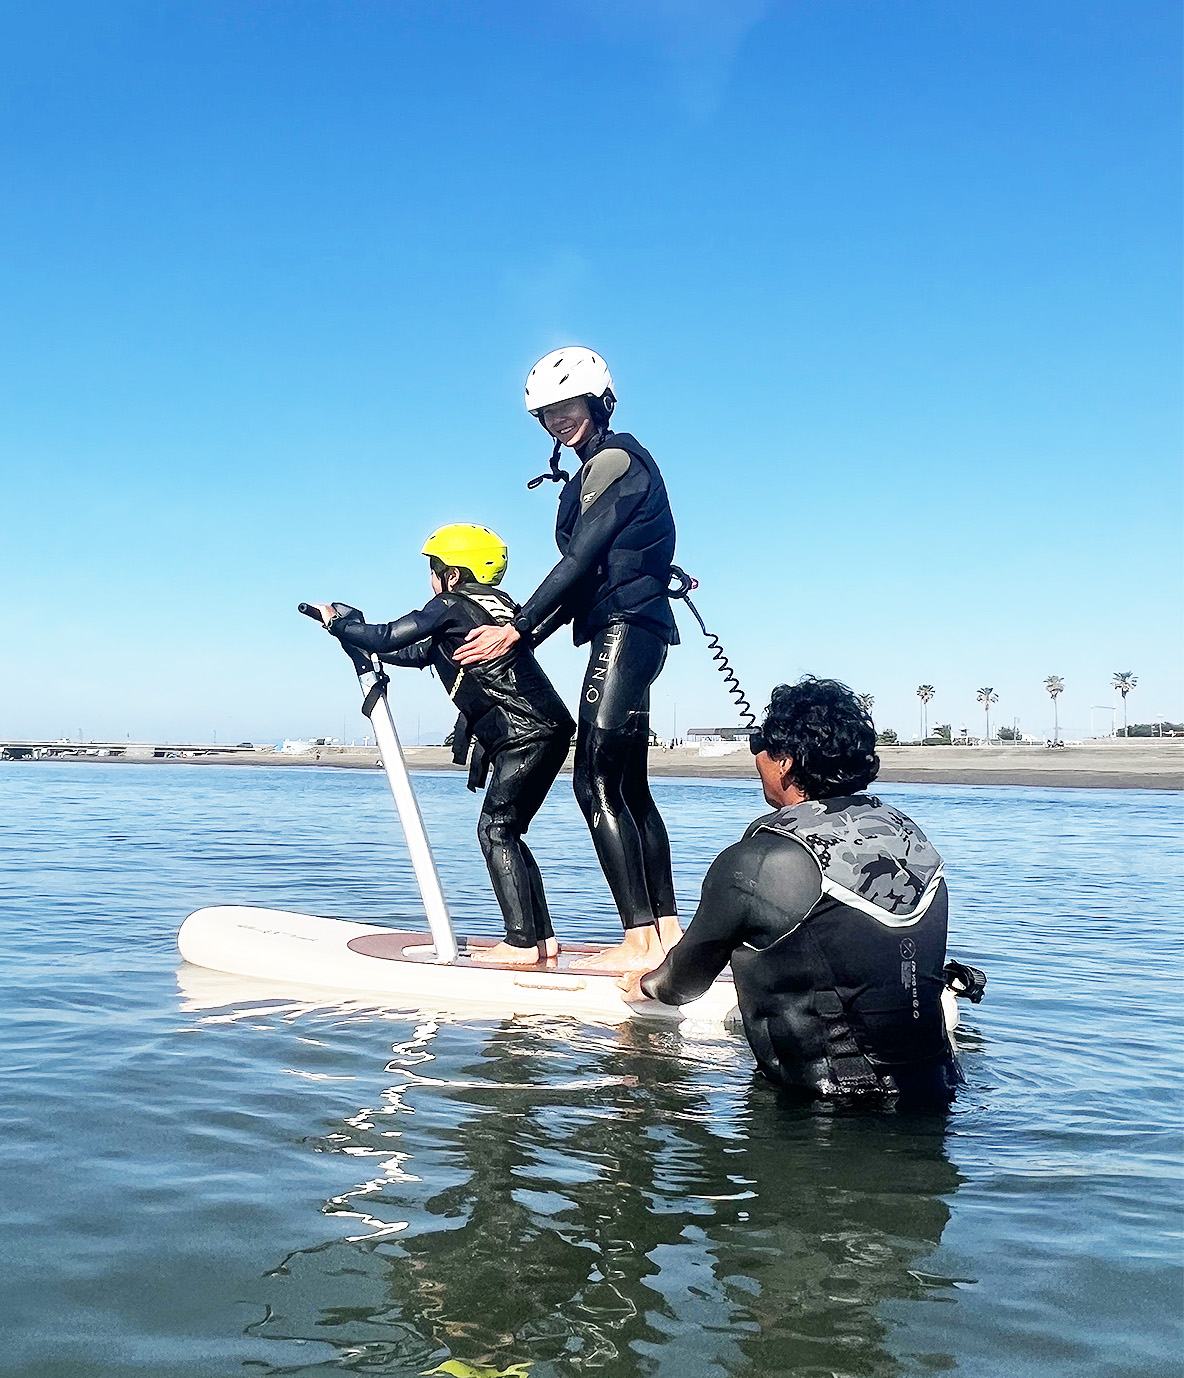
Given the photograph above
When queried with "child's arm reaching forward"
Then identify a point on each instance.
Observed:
(407, 641)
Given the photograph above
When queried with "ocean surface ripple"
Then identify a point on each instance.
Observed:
(203, 1177)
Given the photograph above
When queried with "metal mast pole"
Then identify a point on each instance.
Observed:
(372, 677)
(378, 710)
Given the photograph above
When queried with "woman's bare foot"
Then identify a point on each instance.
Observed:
(641, 950)
(669, 931)
(503, 955)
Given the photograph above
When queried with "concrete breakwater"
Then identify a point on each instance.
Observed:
(65, 749)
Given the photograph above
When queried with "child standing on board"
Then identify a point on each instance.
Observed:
(517, 724)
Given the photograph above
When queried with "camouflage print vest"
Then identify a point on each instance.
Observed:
(849, 1001)
(871, 857)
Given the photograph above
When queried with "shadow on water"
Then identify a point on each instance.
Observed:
(578, 1200)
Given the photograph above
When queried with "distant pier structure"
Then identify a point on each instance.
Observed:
(63, 749)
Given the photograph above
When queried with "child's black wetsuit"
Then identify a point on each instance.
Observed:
(616, 535)
(509, 710)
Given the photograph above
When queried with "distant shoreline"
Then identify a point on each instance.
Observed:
(1141, 763)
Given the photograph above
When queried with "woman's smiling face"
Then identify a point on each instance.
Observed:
(569, 422)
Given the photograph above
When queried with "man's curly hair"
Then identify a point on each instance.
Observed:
(824, 728)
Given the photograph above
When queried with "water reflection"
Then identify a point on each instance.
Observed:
(590, 1200)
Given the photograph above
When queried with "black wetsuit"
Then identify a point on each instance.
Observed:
(518, 724)
(616, 534)
(833, 915)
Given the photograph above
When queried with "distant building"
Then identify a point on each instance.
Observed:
(720, 734)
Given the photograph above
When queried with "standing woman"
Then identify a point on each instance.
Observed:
(615, 534)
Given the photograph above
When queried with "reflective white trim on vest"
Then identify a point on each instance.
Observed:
(873, 911)
(499, 606)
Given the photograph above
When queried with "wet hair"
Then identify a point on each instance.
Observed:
(826, 731)
(442, 571)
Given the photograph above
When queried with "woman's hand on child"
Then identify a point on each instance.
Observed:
(486, 643)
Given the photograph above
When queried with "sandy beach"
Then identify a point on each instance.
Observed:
(1140, 763)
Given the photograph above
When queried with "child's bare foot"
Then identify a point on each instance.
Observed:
(641, 950)
(669, 931)
(503, 955)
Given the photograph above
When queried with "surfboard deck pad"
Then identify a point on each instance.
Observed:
(277, 945)
(397, 945)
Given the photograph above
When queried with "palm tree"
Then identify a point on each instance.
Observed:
(865, 702)
(1124, 682)
(1055, 685)
(925, 692)
(987, 697)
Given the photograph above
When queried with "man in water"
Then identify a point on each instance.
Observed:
(832, 911)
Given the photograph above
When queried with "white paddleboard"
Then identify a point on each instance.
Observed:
(274, 945)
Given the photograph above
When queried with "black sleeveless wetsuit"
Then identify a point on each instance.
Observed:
(833, 915)
(519, 726)
(615, 533)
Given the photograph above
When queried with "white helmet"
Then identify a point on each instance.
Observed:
(564, 374)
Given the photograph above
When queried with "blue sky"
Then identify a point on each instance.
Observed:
(891, 291)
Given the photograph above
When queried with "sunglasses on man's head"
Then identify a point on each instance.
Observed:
(756, 743)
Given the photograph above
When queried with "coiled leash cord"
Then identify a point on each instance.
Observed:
(682, 587)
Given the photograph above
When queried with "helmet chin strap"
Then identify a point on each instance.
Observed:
(556, 475)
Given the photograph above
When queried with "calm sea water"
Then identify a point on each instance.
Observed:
(200, 1180)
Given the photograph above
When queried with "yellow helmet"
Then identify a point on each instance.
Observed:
(475, 548)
